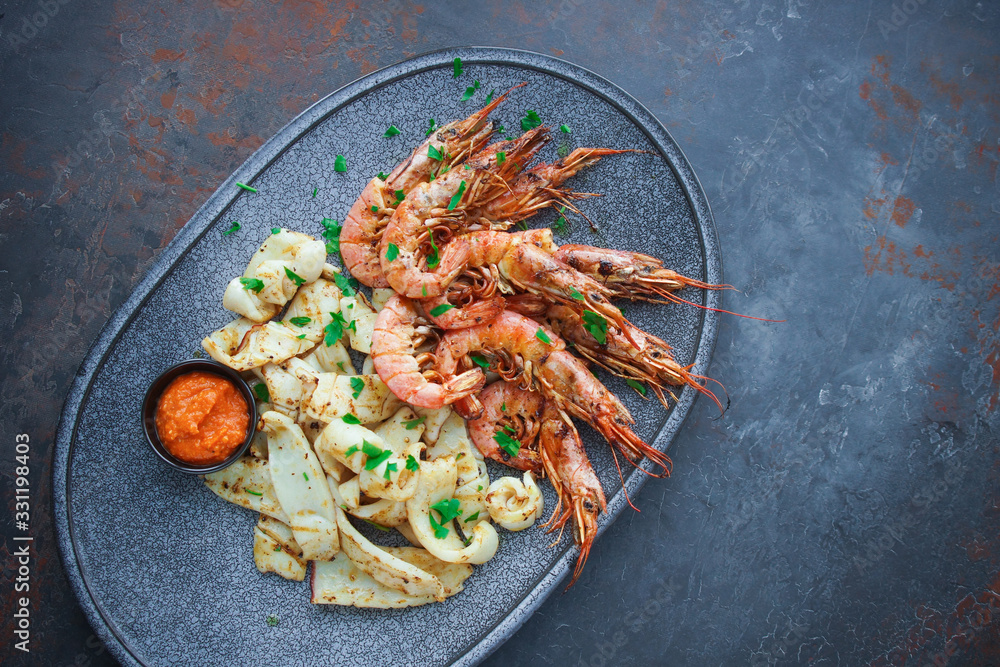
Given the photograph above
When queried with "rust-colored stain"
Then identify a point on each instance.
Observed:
(12, 151)
(161, 55)
(902, 210)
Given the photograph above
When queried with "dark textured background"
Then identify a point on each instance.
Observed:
(844, 511)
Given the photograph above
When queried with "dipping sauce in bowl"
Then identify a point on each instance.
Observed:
(201, 418)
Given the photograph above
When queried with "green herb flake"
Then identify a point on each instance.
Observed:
(430, 130)
(331, 232)
(350, 419)
(565, 128)
(358, 385)
(440, 531)
(389, 469)
(300, 321)
(438, 311)
(457, 197)
(412, 463)
(351, 451)
(305, 476)
(340, 164)
(448, 509)
(470, 91)
(560, 224)
(414, 423)
(638, 386)
(473, 516)
(233, 227)
(542, 336)
(315, 190)
(375, 455)
(392, 252)
(596, 325)
(400, 196)
(457, 67)
(346, 285)
(294, 277)
(510, 445)
(433, 259)
(340, 365)
(503, 407)
(334, 331)
(391, 132)
(374, 208)
(480, 361)
(530, 121)
(247, 188)
(254, 493)
(272, 621)
(423, 288)
(575, 293)
(434, 153)
(489, 98)
(301, 336)
(501, 157)
(382, 175)
(252, 284)
(261, 392)
(275, 230)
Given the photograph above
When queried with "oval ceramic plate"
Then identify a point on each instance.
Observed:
(161, 566)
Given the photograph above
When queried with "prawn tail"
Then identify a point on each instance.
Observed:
(464, 385)
(584, 531)
(632, 446)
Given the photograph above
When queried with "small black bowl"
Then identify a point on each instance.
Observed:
(153, 397)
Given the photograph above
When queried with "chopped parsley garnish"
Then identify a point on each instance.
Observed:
(542, 336)
(340, 365)
(565, 128)
(294, 277)
(331, 232)
(530, 121)
(252, 284)
(391, 132)
(480, 361)
(412, 463)
(334, 331)
(414, 423)
(448, 509)
(457, 197)
(234, 227)
(247, 188)
(272, 620)
(375, 455)
(503, 407)
(376, 525)
(523, 226)
(261, 392)
(301, 336)
(392, 252)
(440, 531)
(457, 65)
(358, 385)
(489, 98)
(374, 208)
(254, 493)
(510, 445)
(305, 476)
(400, 196)
(346, 285)
(340, 164)
(423, 288)
(350, 419)
(437, 311)
(470, 91)
(382, 175)
(353, 449)
(389, 469)
(459, 455)
(575, 293)
(300, 321)
(433, 259)
(434, 153)
(430, 130)
(275, 230)
(315, 190)
(596, 325)
(473, 516)
(501, 157)
(560, 224)
(638, 386)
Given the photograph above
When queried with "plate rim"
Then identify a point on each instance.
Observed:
(226, 194)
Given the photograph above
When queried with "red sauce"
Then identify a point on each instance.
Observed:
(201, 418)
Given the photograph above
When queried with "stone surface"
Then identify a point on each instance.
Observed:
(843, 511)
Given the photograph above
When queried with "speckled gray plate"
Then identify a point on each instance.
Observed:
(162, 567)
